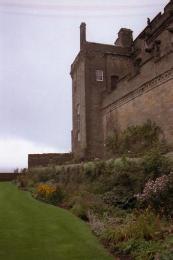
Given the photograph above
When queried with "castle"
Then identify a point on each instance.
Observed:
(114, 86)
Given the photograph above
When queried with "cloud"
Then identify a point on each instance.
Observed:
(71, 7)
(14, 152)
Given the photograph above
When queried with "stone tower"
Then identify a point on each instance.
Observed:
(94, 72)
(87, 139)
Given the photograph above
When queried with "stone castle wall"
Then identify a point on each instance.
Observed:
(153, 100)
(137, 85)
(146, 92)
(46, 159)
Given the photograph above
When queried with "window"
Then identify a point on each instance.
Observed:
(99, 75)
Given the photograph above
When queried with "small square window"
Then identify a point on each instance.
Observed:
(99, 75)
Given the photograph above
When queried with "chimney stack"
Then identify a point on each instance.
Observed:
(125, 38)
(82, 34)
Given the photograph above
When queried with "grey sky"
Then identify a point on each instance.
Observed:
(38, 42)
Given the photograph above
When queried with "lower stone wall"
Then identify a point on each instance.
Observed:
(45, 159)
(8, 176)
(155, 104)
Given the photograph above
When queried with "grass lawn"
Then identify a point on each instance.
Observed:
(31, 230)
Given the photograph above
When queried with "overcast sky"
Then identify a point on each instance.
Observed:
(39, 40)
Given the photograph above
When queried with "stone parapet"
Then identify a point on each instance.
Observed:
(46, 159)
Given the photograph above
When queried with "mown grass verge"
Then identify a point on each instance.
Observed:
(32, 230)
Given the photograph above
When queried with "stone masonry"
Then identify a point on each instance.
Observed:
(46, 159)
(114, 86)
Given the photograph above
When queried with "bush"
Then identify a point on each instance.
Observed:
(124, 178)
(89, 169)
(80, 211)
(136, 140)
(85, 202)
(141, 226)
(142, 229)
(97, 226)
(141, 249)
(42, 174)
(23, 181)
(49, 193)
(158, 194)
(156, 163)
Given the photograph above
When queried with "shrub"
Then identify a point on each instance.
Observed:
(158, 194)
(141, 226)
(89, 169)
(136, 139)
(97, 226)
(23, 181)
(156, 163)
(42, 174)
(49, 193)
(85, 202)
(113, 143)
(123, 179)
(138, 230)
(80, 211)
(141, 249)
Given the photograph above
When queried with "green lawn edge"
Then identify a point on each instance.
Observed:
(33, 230)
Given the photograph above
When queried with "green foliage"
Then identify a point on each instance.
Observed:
(139, 236)
(115, 181)
(113, 143)
(136, 140)
(123, 178)
(142, 226)
(89, 170)
(92, 170)
(156, 163)
(42, 174)
(85, 202)
(141, 249)
(79, 210)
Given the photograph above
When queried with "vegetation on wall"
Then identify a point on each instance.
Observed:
(136, 140)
